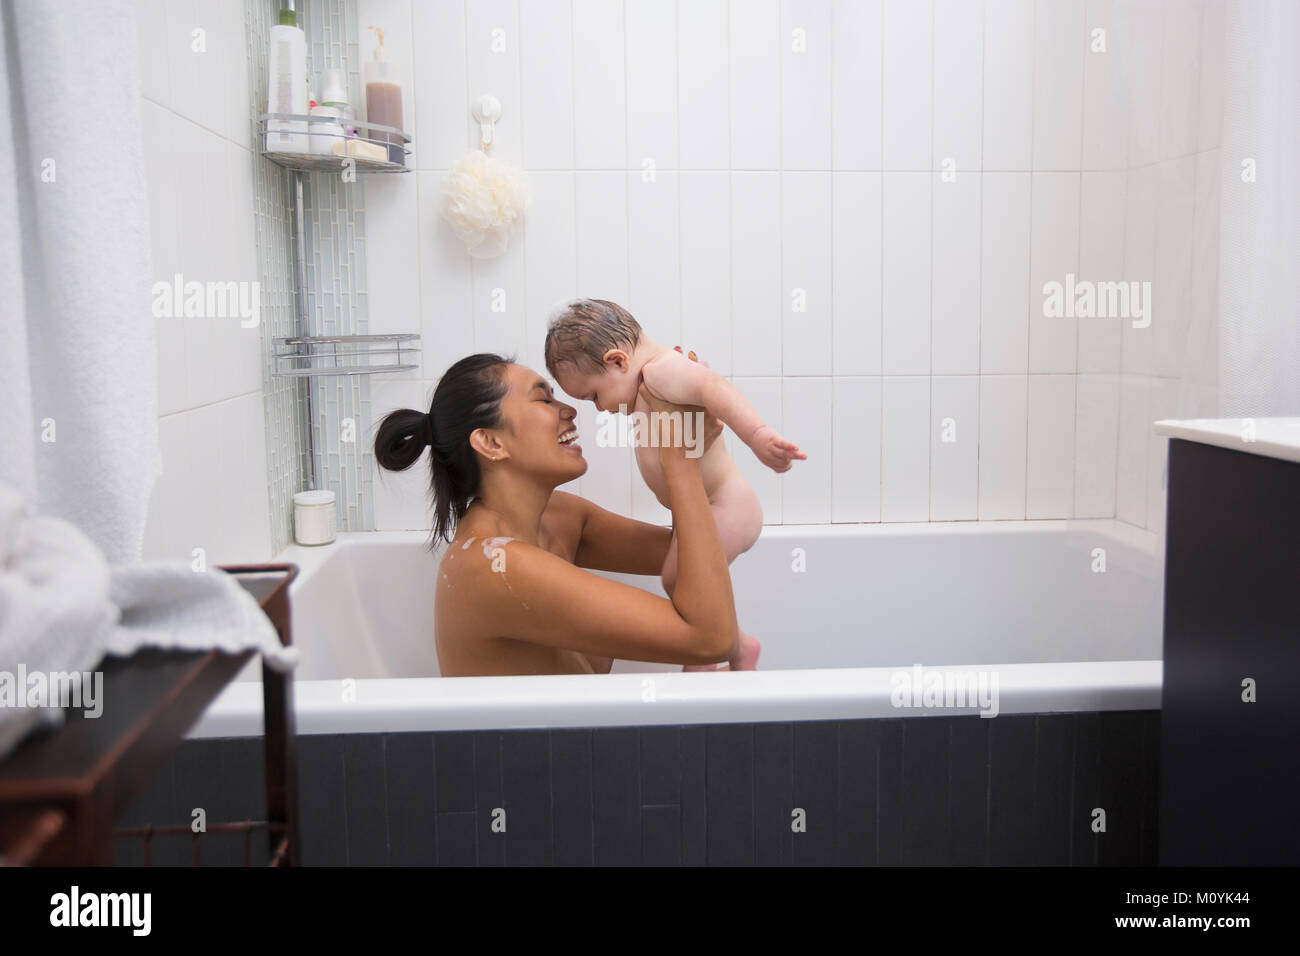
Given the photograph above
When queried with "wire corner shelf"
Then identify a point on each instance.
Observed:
(330, 134)
(346, 354)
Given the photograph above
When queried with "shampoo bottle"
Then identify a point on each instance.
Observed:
(384, 101)
(287, 86)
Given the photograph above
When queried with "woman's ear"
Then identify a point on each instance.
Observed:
(487, 444)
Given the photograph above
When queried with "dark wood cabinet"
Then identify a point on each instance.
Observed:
(1230, 766)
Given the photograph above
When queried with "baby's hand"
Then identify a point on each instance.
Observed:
(774, 451)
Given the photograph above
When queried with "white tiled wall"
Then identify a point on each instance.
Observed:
(764, 181)
(213, 493)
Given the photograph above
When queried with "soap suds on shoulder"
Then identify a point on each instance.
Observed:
(491, 550)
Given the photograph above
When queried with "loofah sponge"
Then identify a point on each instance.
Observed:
(484, 200)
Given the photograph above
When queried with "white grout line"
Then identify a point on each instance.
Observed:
(880, 456)
(1029, 325)
(929, 445)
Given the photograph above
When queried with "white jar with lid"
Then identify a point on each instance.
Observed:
(314, 518)
(325, 135)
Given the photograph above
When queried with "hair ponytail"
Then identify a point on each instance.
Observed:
(468, 397)
(403, 435)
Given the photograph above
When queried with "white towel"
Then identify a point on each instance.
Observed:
(55, 612)
(168, 604)
(63, 607)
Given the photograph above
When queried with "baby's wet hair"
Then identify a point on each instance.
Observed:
(581, 331)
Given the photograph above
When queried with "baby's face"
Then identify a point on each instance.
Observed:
(608, 390)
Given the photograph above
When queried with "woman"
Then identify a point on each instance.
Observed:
(512, 596)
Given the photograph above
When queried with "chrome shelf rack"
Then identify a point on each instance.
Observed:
(329, 130)
(343, 353)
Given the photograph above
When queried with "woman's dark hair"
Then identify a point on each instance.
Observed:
(468, 397)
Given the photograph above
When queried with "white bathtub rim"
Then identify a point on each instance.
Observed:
(396, 705)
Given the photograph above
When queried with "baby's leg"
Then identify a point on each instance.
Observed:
(739, 519)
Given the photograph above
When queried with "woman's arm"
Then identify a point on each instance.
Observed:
(611, 542)
(537, 597)
(531, 595)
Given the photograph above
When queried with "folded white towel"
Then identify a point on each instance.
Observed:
(168, 604)
(62, 608)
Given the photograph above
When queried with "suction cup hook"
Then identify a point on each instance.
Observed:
(487, 110)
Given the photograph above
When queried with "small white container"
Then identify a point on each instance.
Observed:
(314, 519)
(325, 135)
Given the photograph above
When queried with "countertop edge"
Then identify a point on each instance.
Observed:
(1267, 437)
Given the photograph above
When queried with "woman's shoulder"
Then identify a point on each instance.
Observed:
(472, 554)
(470, 550)
(562, 502)
(472, 565)
(479, 572)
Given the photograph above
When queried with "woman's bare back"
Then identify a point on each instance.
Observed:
(468, 588)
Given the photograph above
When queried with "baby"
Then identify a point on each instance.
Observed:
(597, 352)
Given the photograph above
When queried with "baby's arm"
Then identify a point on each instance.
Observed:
(677, 379)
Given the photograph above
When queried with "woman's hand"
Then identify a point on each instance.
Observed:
(712, 430)
(691, 355)
(661, 432)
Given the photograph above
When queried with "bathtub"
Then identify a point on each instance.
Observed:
(1058, 616)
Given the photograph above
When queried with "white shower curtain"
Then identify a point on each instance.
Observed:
(78, 374)
(1259, 261)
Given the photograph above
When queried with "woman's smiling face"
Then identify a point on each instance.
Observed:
(540, 432)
